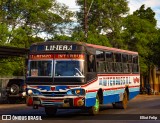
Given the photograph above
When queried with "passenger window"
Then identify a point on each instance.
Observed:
(99, 55)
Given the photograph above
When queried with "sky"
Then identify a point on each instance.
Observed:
(133, 5)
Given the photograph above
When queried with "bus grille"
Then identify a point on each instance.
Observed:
(54, 94)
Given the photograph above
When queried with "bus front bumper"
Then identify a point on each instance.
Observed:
(60, 102)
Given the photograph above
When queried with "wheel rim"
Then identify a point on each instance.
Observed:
(13, 89)
(96, 106)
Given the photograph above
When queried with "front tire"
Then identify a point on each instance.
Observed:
(50, 111)
(95, 109)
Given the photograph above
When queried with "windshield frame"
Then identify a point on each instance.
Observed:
(29, 68)
(68, 76)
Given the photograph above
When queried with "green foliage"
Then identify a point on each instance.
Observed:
(28, 18)
(140, 35)
(4, 33)
(146, 14)
(22, 22)
(61, 38)
(105, 16)
(12, 67)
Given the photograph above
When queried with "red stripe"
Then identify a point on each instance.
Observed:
(120, 88)
(52, 100)
(91, 91)
(119, 75)
(134, 86)
(89, 83)
(33, 86)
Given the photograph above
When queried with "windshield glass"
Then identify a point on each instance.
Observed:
(69, 68)
(40, 68)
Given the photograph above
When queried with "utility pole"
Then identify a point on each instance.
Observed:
(85, 19)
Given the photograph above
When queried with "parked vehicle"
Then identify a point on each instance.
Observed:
(15, 90)
(64, 74)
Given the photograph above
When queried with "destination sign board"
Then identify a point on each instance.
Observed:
(56, 56)
(44, 56)
(69, 56)
(59, 47)
(56, 47)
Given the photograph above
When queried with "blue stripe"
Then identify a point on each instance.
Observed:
(44, 88)
(109, 96)
(109, 99)
(112, 92)
(133, 94)
(134, 89)
(90, 102)
(91, 95)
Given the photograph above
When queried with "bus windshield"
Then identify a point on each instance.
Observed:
(69, 68)
(40, 68)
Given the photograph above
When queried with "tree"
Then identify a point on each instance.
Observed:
(23, 21)
(141, 35)
(146, 14)
(4, 33)
(32, 18)
(105, 16)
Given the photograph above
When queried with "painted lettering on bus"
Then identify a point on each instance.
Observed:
(111, 81)
(136, 80)
(58, 47)
(71, 56)
(40, 56)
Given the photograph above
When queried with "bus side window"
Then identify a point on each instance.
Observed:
(91, 63)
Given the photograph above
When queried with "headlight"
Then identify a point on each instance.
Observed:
(78, 91)
(33, 92)
(30, 92)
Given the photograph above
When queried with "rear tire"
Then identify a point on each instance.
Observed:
(95, 109)
(50, 111)
(122, 104)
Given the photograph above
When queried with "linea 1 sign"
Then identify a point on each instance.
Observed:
(59, 47)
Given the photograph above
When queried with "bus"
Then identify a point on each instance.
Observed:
(65, 74)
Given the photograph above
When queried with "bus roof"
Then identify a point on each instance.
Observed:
(110, 49)
(99, 47)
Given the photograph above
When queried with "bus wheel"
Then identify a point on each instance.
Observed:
(50, 111)
(124, 102)
(95, 109)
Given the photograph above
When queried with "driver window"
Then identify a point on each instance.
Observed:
(91, 63)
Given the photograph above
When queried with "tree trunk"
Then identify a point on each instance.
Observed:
(155, 82)
(150, 77)
(159, 81)
(142, 81)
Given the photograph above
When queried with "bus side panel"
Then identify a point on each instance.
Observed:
(111, 96)
(133, 92)
(90, 99)
(108, 96)
(118, 94)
